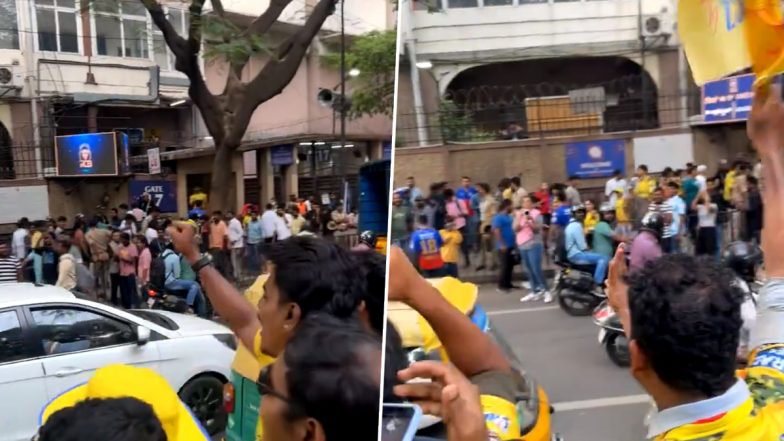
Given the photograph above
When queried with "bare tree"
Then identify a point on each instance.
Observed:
(228, 113)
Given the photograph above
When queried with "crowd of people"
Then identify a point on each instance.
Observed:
(509, 225)
(113, 257)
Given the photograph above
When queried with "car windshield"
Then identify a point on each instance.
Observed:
(156, 318)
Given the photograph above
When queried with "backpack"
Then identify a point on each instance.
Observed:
(158, 271)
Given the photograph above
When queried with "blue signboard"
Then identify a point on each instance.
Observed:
(282, 154)
(386, 150)
(728, 99)
(88, 154)
(595, 159)
(162, 193)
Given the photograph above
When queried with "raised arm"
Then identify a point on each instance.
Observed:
(225, 298)
(766, 131)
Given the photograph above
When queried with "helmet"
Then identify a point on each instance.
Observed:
(579, 207)
(743, 258)
(368, 238)
(653, 222)
(606, 208)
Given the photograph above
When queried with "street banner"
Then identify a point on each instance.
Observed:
(154, 161)
(282, 154)
(713, 36)
(162, 193)
(595, 159)
(728, 99)
(386, 150)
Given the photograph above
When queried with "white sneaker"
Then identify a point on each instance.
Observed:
(532, 297)
(525, 285)
(548, 297)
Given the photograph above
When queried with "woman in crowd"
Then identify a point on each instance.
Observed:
(457, 211)
(528, 226)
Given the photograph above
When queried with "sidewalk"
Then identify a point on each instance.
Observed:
(488, 276)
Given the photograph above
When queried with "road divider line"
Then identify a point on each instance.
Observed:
(601, 402)
(519, 310)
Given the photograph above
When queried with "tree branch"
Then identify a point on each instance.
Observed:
(195, 26)
(173, 39)
(264, 22)
(278, 72)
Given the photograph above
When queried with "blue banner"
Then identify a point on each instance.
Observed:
(89, 154)
(595, 159)
(282, 154)
(728, 99)
(386, 150)
(162, 193)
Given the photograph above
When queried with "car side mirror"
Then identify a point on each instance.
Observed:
(142, 335)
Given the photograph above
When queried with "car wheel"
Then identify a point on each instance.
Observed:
(618, 349)
(204, 395)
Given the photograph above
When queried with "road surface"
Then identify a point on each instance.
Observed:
(594, 399)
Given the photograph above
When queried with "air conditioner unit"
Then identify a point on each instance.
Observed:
(657, 25)
(11, 76)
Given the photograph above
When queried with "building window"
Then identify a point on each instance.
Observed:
(498, 2)
(462, 3)
(9, 32)
(56, 22)
(122, 29)
(163, 56)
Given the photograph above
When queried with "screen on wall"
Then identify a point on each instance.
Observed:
(88, 154)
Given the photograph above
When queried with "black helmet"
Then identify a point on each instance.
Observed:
(368, 238)
(653, 222)
(743, 258)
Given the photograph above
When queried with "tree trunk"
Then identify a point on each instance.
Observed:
(222, 181)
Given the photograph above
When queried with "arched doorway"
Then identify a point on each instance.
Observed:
(7, 169)
(493, 96)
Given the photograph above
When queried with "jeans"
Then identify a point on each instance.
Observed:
(450, 269)
(194, 298)
(114, 295)
(532, 258)
(588, 258)
(219, 259)
(254, 258)
(507, 266)
(101, 274)
(719, 239)
(128, 294)
(236, 262)
(433, 273)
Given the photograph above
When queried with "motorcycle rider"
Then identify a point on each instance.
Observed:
(646, 246)
(195, 297)
(577, 251)
(743, 259)
(605, 235)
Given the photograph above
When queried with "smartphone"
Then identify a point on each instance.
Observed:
(399, 422)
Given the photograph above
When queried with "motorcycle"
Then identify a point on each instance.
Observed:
(576, 290)
(611, 335)
(166, 300)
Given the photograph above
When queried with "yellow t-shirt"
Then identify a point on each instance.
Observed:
(759, 418)
(591, 219)
(37, 241)
(620, 211)
(729, 180)
(450, 251)
(507, 194)
(645, 187)
(198, 197)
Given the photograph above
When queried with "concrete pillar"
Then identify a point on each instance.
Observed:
(266, 178)
(291, 177)
(238, 168)
(92, 119)
(375, 150)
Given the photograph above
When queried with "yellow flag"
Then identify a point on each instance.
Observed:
(765, 39)
(713, 37)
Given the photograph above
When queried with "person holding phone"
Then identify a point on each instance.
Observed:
(528, 226)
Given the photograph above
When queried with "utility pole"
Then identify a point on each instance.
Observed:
(343, 102)
(408, 26)
(643, 73)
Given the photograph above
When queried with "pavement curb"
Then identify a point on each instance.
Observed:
(489, 278)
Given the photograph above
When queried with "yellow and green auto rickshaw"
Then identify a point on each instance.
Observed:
(421, 343)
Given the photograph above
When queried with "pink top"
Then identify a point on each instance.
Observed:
(527, 232)
(128, 257)
(145, 260)
(452, 209)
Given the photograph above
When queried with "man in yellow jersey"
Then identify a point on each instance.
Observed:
(682, 317)
(645, 183)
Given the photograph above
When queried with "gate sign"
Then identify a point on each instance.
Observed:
(595, 159)
(728, 99)
(386, 150)
(162, 193)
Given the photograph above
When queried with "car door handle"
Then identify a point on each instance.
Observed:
(66, 372)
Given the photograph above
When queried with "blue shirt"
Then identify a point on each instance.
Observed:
(255, 232)
(197, 211)
(678, 210)
(575, 239)
(427, 243)
(503, 223)
(465, 194)
(172, 262)
(562, 215)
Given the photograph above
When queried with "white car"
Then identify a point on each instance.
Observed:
(51, 340)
